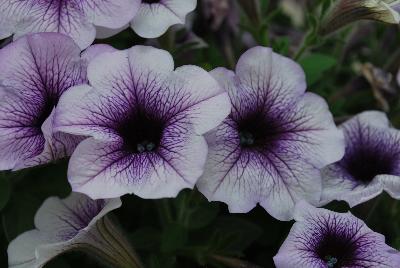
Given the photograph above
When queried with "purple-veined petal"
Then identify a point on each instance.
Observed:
(146, 122)
(370, 164)
(64, 219)
(36, 70)
(203, 101)
(322, 238)
(132, 65)
(60, 226)
(263, 72)
(114, 77)
(110, 14)
(95, 50)
(102, 169)
(56, 146)
(275, 142)
(73, 18)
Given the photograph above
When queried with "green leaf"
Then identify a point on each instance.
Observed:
(325, 7)
(201, 216)
(160, 261)
(5, 190)
(58, 263)
(29, 193)
(173, 238)
(234, 234)
(315, 65)
(281, 45)
(146, 238)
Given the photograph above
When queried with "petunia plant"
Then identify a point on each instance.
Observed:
(199, 133)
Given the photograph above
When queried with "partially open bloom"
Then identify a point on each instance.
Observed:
(324, 239)
(371, 163)
(35, 71)
(74, 223)
(74, 18)
(146, 123)
(348, 11)
(156, 16)
(271, 148)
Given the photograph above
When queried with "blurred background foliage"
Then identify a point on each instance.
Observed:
(354, 69)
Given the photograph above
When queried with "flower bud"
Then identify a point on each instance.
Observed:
(348, 11)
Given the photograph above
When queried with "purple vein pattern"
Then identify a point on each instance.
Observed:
(156, 16)
(61, 225)
(146, 123)
(324, 239)
(271, 148)
(371, 162)
(35, 71)
(76, 18)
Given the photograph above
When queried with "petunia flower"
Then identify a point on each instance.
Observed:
(35, 71)
(371, 162)
(156, 16)
(345, 12)
(271, 148)
(71, 224)
(77, 19)
(146, 123)
(324, 239)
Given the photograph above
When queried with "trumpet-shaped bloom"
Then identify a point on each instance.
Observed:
(74, 223)
(324, 239)
(370, 165)
(271, 148)
(156, 16)
(74, 18)
(146, 123)
(35, 71)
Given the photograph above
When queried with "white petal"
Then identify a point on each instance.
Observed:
(203, 100)
(153, 20)
(22, 250)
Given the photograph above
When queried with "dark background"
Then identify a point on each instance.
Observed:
(189, 231)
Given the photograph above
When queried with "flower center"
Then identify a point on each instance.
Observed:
(331, 261)
(336, 251)
(141, 132)
(364, 165)
(45, 111)
(258, 132)
(151, 1)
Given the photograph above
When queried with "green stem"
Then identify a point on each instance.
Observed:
(301, 49)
